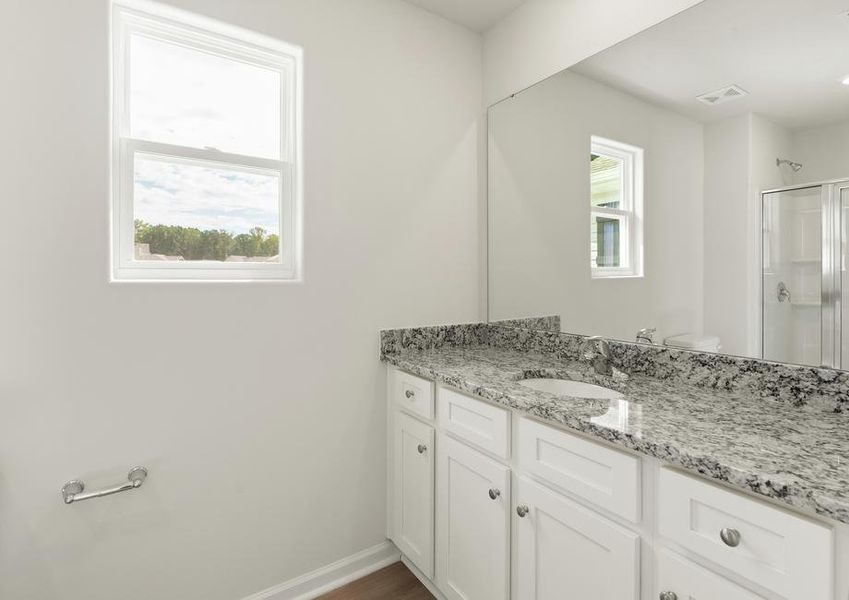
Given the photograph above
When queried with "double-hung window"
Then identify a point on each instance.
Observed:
(206, 127)
(616, 209)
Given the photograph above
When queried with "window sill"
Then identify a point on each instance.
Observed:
(121, 281)
(145, 274)
(604, 276)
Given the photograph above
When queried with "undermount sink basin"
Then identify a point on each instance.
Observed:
(567, 387)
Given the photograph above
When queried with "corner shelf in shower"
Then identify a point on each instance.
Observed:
(806, 304)
(805, 261)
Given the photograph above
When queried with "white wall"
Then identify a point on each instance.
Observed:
(823, 151)
(543, 37)
(539, 211)
(258, 408)
(727, 232)
(769, 141)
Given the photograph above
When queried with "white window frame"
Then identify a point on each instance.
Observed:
(630, 212)
(140, 17)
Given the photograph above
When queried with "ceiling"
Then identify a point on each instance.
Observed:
(790, 55)
(478, 15)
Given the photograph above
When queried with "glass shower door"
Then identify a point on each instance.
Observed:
(793, 275)
(842, 310)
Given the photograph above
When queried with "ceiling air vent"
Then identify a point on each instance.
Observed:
(731, 92)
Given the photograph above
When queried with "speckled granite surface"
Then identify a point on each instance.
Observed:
(797, 385)
(800, 386)
(428, 338)
(796, 453)
(548, 323)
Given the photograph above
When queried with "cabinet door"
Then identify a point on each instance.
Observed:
(412, 524)
(680, 579)
(567, 551)
(473, 523)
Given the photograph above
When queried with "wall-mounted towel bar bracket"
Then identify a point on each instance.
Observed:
(73, 491)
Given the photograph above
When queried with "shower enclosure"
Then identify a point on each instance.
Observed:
(803, 274)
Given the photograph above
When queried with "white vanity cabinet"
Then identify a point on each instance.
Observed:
(487, 504)
(677, 578)
(475, 422)
(788, 554)
(604, 477)
(413, 494)
(473, 523)
(564, 546)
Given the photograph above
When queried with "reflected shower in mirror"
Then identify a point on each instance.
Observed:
(685, 187)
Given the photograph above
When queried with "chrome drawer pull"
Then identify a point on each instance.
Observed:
(409, 393)
(422, 448)
(522, 510)
(731, 537)
(668, 596)
(73, 490)
(493, 493)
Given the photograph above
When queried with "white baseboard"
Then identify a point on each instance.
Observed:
(431, 587)
(332, 576)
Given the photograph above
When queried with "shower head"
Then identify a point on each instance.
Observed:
(793, 165)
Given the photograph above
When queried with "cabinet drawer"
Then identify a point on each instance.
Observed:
(689, 581)
(601, 475)
(789, 555)
(484, 425)
(411, 393)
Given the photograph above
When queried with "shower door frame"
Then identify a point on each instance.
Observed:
(831, 292)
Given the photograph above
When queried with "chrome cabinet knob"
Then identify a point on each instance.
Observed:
(409, 393)
(422, 448)
(494, 494)
(668, 596)
(731, 537)
(522, 510)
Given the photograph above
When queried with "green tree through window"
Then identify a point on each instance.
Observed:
(210, 244)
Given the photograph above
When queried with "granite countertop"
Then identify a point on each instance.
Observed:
(798, 455)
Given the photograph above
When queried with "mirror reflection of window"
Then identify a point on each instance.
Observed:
(615, 207)
(606, 192)
(607, 242)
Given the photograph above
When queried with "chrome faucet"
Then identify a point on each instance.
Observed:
(598, 355)
(646, 335)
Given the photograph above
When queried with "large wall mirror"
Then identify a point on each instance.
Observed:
(688, 187)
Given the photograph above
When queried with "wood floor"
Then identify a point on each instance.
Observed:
(394, 582)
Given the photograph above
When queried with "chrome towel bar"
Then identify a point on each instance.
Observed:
(73, 490)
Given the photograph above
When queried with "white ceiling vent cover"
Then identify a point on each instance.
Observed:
(726, 94)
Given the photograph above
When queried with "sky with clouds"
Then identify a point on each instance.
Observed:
(184, 97)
